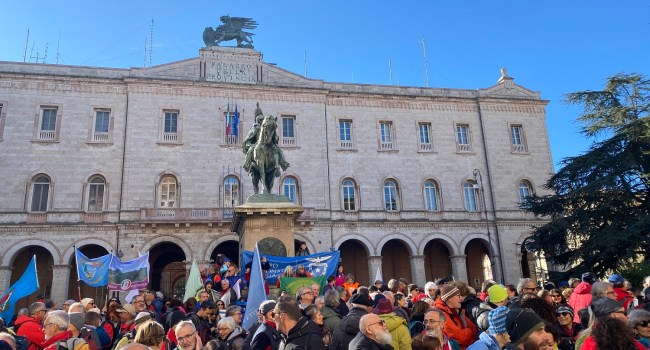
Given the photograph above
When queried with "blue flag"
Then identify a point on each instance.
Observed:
(129, 275)
(319, 264)
(256, 291)
(26, 285)
(93, 272)
(235, 123)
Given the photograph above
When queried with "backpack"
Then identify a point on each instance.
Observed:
(88, 336)
(415, 328)
(21, 342)
(69, 344)
(112, 336)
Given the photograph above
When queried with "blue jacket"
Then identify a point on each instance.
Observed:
(485, 342)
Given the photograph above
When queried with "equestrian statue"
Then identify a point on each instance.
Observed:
(231, 29)
(264, 159)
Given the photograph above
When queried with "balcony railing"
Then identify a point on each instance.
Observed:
(519, 148)
(288, 141)
(426, 147)
(170, 137)
(100, 136)
(345, 144)
(47, 135)
(232, 139)
(386, 146)
(463, 147)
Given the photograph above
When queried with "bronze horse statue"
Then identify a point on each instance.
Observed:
(265, 167)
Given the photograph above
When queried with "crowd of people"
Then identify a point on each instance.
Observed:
(446, 314)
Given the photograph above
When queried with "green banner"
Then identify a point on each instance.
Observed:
(292, 284)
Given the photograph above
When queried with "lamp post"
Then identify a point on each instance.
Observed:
(478, 183)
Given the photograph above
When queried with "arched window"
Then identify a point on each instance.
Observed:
(349, 195)
(231, 192)
(525, 190)
(470, 194)
(168, 192)
(290, 189)
(430, 196)
(391, 198)
(40, 193)
(96, 188)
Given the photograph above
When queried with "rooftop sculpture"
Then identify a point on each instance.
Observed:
(231, 29)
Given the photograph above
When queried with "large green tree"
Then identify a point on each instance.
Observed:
(600, 209)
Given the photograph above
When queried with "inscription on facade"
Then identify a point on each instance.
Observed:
(231, 72)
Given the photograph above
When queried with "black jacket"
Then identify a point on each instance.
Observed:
(266, 335)
(471, 305)
(347, 329)
(306, 335)
(361, 342)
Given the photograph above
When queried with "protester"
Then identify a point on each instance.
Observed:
(343, 334)
(350, 285)
(457, 326)
(581, 296)
(187, 337)
(331, 318)
(610, 331)
(298, 332)
(305, 297)
(618, 283)
(88, 303)
(496, 336)
(569, 330)
(434, 321)
(313, 314)
(373, 334)
(639, 322)
(56, 332)
(30, 326)
(266, 337)
(151, 334)
(231, 335)
(396, 325)
(425, 342)
(526, 329)
(497, 295)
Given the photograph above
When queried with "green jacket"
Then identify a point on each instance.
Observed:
(331, 319)
(399, 331)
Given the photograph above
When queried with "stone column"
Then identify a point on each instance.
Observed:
(5, 277)
(374, 262)
(459, 267)
(417, 270)
(60, 281)
(496, 269)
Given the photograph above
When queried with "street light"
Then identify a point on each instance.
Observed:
(478, 183)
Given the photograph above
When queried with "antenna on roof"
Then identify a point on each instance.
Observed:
(426, 66)
(25, 48)
(144, 61)
(390, 71)
(151, 43)
(58, 43)
(305, 63)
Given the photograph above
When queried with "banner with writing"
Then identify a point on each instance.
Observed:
(129, 275)
(319, 264)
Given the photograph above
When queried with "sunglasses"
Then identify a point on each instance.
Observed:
(643, 324)
(380, 322)
(565, 314)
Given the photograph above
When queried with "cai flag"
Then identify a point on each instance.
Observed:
(26, 285)
(319, 264)
(256, 291)
(93, 272)
(129, 275)
(292, 284)
(194, 282)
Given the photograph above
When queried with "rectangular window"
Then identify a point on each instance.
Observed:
(463, 138)
(386, 136)
(47, 130)
(170, 126)
(345, 133)
(424, 130)
(102, 125)
(96, 197)
(232, 129)
(40, 196)
(517, 139)
(288, 130)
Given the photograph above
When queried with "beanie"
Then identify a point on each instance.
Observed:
(497, 320)
(564, 308)
(521, 323)
(604, 306)
(588, 277)
(77, 320)
(448, 291)
(497, 293)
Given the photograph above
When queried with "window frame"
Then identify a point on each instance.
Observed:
(425, 147)
(522, 147)
(476, 196)
(345, 145)
(229, 193)
(95, 137)
(382, 144)
(530, 187)
(355, 189)
(436, 195)
(89, 188)
(160, 192)
(47, 136)
(396, 195)
(288, 141)
(170, 138)
(230, 139)
(48, 194)
(296, 185)
(463, 147)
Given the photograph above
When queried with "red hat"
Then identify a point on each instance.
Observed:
(383, 307)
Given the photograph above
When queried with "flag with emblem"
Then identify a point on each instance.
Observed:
(93, 272)
(26, 285)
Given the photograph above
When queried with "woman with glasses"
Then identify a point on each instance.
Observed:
(557, 297)
(640, 324)
(568, 329)
(230, 334)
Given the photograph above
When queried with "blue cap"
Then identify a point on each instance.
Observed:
(616, 279)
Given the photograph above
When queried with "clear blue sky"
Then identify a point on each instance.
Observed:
(554, 47)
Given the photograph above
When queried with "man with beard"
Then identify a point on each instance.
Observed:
(526, 330)
(372, 335)
(434, 322)
(349, 326)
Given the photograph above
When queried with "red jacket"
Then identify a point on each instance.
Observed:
(53, 342)
(31, 329)
(457, 325)
(590, 344)
(623, 296)
(580, 299)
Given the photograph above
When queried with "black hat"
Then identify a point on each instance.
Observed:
(521, 323)
(588, 277)
(360, 299)
(604, 306)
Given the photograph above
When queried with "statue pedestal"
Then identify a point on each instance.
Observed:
(269, 221)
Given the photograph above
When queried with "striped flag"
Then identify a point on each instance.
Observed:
(228, 119)
(235, 122)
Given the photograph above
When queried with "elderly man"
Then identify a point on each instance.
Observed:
(88, 303)
(298, 332)
(373, 334)
(56, 331)
(305, 297)
(526, 329)
(457, 326)
(127, 316)
(266, 336)
(602, 290)
(187, 336)
(30, 326)
(434, 323)
(139, 303)
(349, 327)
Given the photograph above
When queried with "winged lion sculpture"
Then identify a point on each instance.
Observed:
(233, 28)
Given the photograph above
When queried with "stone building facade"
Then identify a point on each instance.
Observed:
(149, 159)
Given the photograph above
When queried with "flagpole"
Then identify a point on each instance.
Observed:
(76, 258)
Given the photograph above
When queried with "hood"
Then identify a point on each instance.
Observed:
(583, 288)
(393, 321)
(236, 333)
(443, 307)
(351, 322)
(328, 312)
(470, 299)
(22, 319)
(302, 328)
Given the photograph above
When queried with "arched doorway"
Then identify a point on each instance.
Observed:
(396, 261)
(75, 288)
(478, 263)
(437, 261)
(44, 262)
(354, 259)
(168, 269)
(228, 248)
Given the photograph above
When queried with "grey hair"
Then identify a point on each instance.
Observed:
(332, 298)
(599, 289)
(440, 313)
(637, 316)
(522, 282)
(59, 318)
(227, 322)
(76, 305)
(233, 309)
(429, 285)
(182, 324)
(36, 307)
